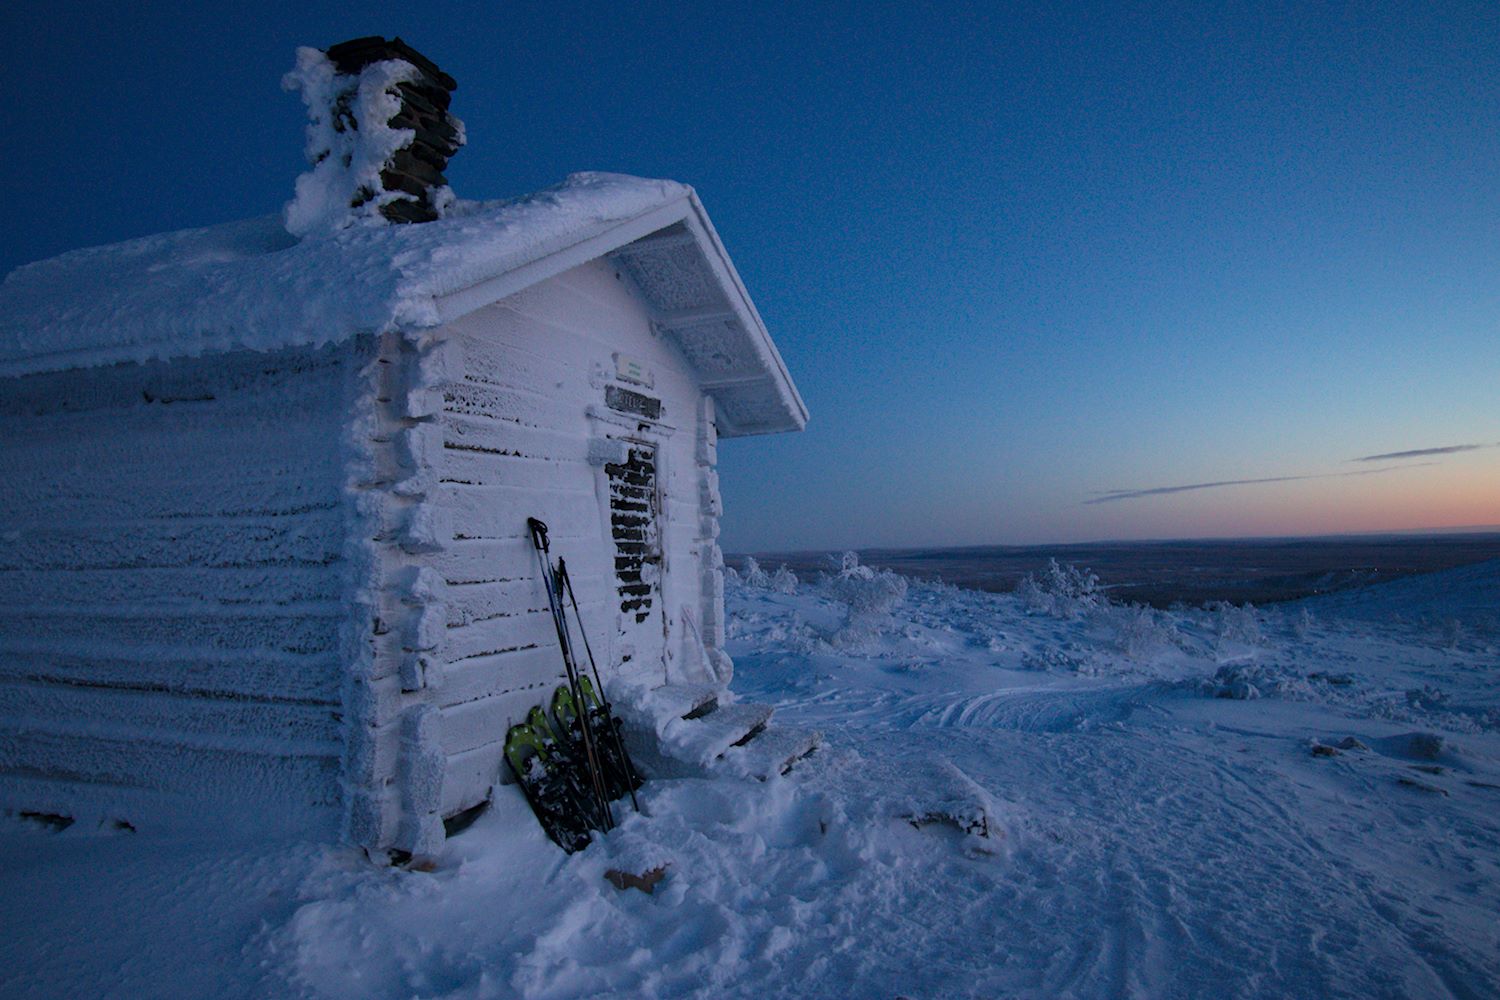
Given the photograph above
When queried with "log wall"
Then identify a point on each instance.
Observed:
(173, 588)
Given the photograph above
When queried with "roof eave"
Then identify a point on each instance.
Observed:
(463, 301)
(689, 211)
(739, 297)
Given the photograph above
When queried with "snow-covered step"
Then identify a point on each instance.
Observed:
(703, 740)
(686, 747)
(678, 730)
(686, 701)
(774, 750)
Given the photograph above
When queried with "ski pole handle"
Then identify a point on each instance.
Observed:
(538, 533)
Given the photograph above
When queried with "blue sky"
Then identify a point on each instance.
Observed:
(1015, 258)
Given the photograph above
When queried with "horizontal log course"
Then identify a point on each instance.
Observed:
(477, 561)
(166, 716)
(232, 769)
(202, 671)
(300, 633)
(314, 539)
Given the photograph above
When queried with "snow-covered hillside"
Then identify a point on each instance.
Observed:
(1017, 796)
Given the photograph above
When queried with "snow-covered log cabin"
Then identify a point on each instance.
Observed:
(266, 550)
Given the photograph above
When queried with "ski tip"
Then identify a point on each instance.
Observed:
(522, 742)
(540, 724)
(562, 705)
(586, 690)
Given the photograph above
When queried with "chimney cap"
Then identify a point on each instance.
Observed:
(357, 53)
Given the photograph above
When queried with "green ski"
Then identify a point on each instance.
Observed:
(547, 780)
(619, 776)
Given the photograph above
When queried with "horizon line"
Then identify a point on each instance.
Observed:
(1473, 529)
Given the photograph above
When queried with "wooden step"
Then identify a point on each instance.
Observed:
(703, 740)
(773, 750)
(687, 747)
(686, 701)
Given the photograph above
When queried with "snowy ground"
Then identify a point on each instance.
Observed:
(1159, 826)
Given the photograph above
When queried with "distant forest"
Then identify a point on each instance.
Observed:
(1192, 572)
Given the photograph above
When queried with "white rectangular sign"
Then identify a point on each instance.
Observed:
(634, 370)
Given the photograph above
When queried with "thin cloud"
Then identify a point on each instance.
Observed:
(1451, 449)
(1110, 496)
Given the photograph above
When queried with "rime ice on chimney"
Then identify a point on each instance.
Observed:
(379, 135)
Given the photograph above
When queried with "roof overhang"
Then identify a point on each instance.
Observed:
(696, 299)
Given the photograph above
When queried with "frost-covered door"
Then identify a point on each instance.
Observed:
(634, 520)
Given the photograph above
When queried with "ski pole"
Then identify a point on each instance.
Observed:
(559, 622)
(565, 645)
(631, 779)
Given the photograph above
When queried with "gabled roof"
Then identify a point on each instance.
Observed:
(251, 285)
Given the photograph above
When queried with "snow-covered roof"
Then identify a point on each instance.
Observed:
(251, 285)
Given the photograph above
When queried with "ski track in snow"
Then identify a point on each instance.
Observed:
(1212, 869)
(1148, 839)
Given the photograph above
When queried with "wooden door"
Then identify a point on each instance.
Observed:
(635, 524)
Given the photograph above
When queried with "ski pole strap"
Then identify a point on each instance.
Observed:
(538, 533)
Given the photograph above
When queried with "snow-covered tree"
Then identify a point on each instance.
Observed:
(1063, 591)
(869, 595)
(754, 575)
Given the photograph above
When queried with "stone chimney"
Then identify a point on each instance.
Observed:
(378, 139)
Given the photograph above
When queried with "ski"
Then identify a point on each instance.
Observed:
(549, 787)
(620, 776)
(595, 700)
(553, 580)
(564, 755)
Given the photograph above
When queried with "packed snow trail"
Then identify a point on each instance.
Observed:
(1145, 838)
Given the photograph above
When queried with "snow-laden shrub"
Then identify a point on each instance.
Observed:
(865, 590)
(868, 595)
(1141, 630)
(754, 575)
(1423, 746)
(1052, 660)
(847, 564)
(1061, 591)
(732, 576)
(1236, 624)
(1302, 625)
(938, 589)
(1244, 681)
(1029, 593)
(1453, 633)
(1426, 696)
